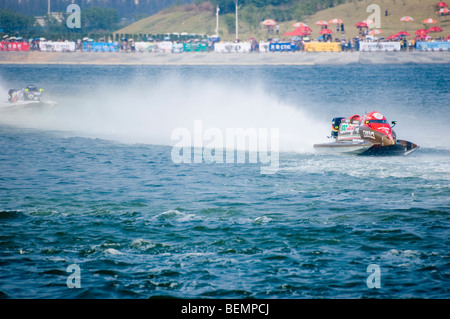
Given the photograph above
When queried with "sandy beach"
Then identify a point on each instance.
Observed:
(275, 58)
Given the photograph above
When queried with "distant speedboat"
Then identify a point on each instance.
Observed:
(28, 96)
(370, 134)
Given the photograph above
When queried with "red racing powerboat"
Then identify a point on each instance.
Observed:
(370, 134)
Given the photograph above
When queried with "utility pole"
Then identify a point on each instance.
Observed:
(237, 24)
(217, 21)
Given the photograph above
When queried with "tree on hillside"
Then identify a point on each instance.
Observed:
(12, 22)
(96, 18)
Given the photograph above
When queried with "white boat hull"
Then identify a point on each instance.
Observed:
(342, 147)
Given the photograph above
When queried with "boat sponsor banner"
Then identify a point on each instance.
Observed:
(57, 46)
(164, 46)
(157, 47)
(323, 47)
(264, 46)
(144, 46)
(195, 47)
(379, 46)
(433, 46)
(281, 47)
(14, 46)
(101, 46)
(228, 47)
(177, 48)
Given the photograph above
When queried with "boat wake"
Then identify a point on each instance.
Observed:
(148, 114)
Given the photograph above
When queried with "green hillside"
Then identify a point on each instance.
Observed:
(183, 19)
(356, 11)
(200, 19)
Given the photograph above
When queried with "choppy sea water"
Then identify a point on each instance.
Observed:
(92, 182)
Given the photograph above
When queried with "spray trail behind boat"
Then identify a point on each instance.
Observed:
(142, 112)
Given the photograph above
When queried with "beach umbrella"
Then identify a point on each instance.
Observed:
(368, 21)
(305, 29)
(448, 37)
(335, 20)
(392, 37)
(298, 32)
(299, 24)
(406, 19)
(375, 31)
(361, 25)
(429, 21)
(441, 4)
(435, 29)
(321, 22)
(402, 34)
(420, 37)
(326, 31)
(421, 32)
(444, 10)
(269, 22)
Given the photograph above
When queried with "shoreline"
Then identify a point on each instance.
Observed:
(213, 58)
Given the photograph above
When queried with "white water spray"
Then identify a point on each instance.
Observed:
(148, 113)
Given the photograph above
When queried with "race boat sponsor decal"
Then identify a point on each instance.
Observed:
(378, 116)
(347, 128)
(369, 134)
(343, 127)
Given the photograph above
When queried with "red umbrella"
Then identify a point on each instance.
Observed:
(375, 31)
(335, 20)
(442, 4)
(435, 29)
(407, 18)
(400, 33)
(392, 36)
(326, 31)
(322, 22)
(429, 20)
(421, 31)
(298, 32)
(269, 22)
(305, 29)
(361, 25)
(299, 24)
(447, 38)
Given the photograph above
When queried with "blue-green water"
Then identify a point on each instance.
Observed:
(92, 182)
